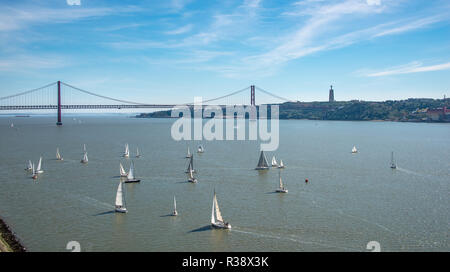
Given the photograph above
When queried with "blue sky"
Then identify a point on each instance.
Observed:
(171, 51)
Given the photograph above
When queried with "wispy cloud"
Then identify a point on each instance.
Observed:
(413, 67)
(180, 30)
(320, 32)
(29, 62)
(14, 18)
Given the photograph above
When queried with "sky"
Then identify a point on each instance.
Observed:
(170, 51)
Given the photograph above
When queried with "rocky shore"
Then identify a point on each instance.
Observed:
(8, 240)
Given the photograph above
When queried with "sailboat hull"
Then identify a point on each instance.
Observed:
(132, 180)
(281, 191)
(262, 168)
(121, 210)
(220, 225)
(194, 180)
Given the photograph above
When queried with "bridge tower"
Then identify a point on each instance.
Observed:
(252, 95)
(59, 123)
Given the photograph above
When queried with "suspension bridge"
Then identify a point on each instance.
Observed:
(62, 96)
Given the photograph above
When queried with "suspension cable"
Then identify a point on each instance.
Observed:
(274, 95)
(27, 92)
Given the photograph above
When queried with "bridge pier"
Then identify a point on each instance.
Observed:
(59, 122)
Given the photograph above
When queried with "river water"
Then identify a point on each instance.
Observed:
(350, 199)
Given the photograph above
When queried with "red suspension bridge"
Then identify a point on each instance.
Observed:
(62, 96)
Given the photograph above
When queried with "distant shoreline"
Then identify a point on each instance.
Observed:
(8, 240)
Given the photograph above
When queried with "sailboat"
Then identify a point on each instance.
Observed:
(188, 153)
(174, 213)
(130, 176)
(39, 167)
(200, 149)
(120, 200)
(34, 174)
(191, 177)
(137, 153)
(393, 165)
(281, 189)
(354, 150)
(58, 156)
(30, 166)
(190, 165)
(122, 171)
(274, 162)
(262, 163)
(217, 221)
(126, 154)
(12, 125)
(85, 159)
(281, 166)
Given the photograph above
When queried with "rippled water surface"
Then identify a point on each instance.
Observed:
(350, 199)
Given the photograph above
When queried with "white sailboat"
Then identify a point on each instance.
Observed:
(281, 189)
(126, 154)
(137, 153)
(120, 200)
(281, 166)
(393, 165)
(354, 150)
(274, 162)
(188, 153)
(174, 213)
(85, 158)
(130, 177)
(34, 174)
(216, 216)
(191, 177)
(12, 125)
(30, 166)
(122, 171)
(39, 167)
(200, 149)
(58, 156)
(262, 163)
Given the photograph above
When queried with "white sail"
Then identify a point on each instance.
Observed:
(131, 172)
(122, 171)
(281, 182)
(274, 161)
(174, 204)
(84, 148)
(127, 151)
(85, 157)
(212, 211)
(218, 214)
(188, 153)
(119, 195)
(354, 150)
(38, 169)
(58, 156)
(281, 164)
(137, 153)
(30, 165)
(200, 149)
(32, 169)
(191, 174)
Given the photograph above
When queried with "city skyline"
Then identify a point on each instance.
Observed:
(372, 50)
